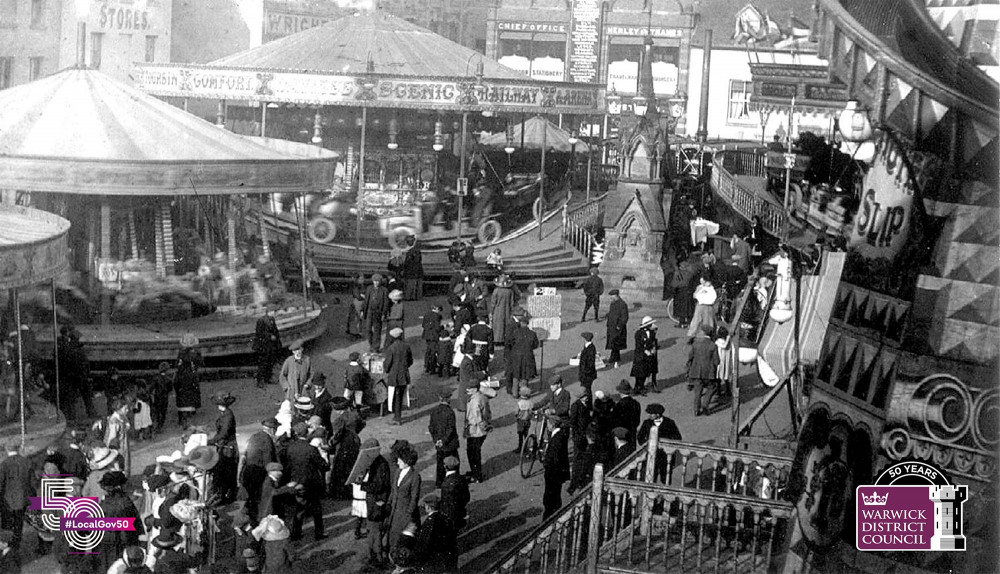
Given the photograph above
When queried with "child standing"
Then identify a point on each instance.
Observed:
(523, 416)
(143, 419)
(446, 348)
(355, 379)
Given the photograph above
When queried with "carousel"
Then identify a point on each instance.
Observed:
(33, 253)
(154, 195)
(404, 109)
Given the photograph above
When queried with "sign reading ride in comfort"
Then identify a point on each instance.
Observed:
(882, 223)
(376, 91)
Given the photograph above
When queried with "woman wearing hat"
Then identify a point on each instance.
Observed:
(502, 303)
(186, 384)
(645, 364)
(705, 298)
(116, 504)
(224, 439)
(102, 461)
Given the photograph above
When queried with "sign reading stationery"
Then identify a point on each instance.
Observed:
(545, 309)
(390, 92)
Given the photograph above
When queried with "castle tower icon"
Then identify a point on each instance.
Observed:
(948, 502)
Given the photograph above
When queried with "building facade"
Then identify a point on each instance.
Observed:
(39, 37)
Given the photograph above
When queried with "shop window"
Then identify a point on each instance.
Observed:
(150, 48)
(37, 13)
(6, 67)
(739, 101)
(34, 68)
(96, 49)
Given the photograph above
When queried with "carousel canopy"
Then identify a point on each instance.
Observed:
(534, 130)
(80, 131)
(395, 46)
(32, 246)
(411, 67)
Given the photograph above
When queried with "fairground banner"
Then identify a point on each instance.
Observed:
(319, 89)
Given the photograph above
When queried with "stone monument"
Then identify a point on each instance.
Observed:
(635, 219)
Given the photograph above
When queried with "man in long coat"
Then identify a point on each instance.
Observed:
(306, 466)
(617, 328)
(645, 364)
(627, 413)
(16, 486)
(405, 498)
(702, 368)
(259, 453)
(296, 372)
(377, 485)
(556, 466)
(521, 345)
(398, 360)
(502, 303)
(444, 433)
(376, 310)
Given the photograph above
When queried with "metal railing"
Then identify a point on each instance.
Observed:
(670, 505)
(747, 202)
(578, 220)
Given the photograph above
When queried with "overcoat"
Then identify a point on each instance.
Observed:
(398, 360)
(186, 380)
(644, 365)
(617, 325)
(501, 309)
(404, 505)
(521, 345)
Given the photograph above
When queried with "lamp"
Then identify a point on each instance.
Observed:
(393, 130)
(781, 309)
(640, 105)
(438, 135)
(509, 148)
(854, 123)
(614, 102)
(573, 139)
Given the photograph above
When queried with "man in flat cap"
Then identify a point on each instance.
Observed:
(617, 328)
(275, 498)
(454, 493)
(398, 360)
(376, 311)
(307, 467)
(588, 362)
(260, 452)
(444, 432)
(593, 288)
(627, 412)
(556, 465)
(559, 399)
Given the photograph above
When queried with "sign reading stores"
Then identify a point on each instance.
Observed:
(80, 518)
(912, 506)
(321, 89)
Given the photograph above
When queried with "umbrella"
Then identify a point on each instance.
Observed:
(556, 138)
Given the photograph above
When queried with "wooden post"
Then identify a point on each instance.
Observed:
(105, 234)
(646, 506)
(55, 340)
(541, 178)
(594, 534)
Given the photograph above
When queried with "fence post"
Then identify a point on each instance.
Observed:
(565, 220)
(594, 534)
(649, 475)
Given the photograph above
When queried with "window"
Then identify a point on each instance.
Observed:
(37, 13)
(739, 101)
(8, 14)
(96, 49)
(34, 68)
(150, 48)
(6, 65)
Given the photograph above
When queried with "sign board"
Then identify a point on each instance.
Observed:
(623, 76)
(780, 160)
(520, 26)
(789, 160)
(545, 310)
(462, 186)
(586, 39)
(547, 68)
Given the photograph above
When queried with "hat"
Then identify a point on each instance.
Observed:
(168, 538)
(314, 420)
(295, 346)
(555, 380)
(223, 399)
(613, 292)
(304, 403)
(339, 403)
(444, 393)
(706, 296)
(186, 511)
(524, 392)
(189, 340)
(503, 280)
(599, 395)
(163, 366)
(274, 466)
(395, 332)
(620, 433)
(377, 277)
(432, 499)
(655, 409)
(300, 429)
(157, 481)
(646, 321)
(134, 556)
(354, 356)
(396, 295)
(271, 423)
(113, 479)
(204, 457)
(451, 462)
(624, 387)
(587, 336)
(101, 457)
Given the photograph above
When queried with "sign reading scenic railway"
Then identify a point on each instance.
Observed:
(391, 92)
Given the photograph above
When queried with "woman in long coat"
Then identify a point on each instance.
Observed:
(266, 347)
(683, 292)
(404, 501)
(501, 307)
(186, 386)
(521, 345)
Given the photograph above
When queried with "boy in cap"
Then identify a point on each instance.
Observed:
(355, 379)
(593, 288)
(431, 325)
(523, 416)
(588, 362)
(454, 493)
(376, 310)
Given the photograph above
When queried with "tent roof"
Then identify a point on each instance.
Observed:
(80, 131)
(32, 246)
(396, 47)
(556, 138)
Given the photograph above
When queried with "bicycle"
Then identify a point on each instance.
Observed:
(534, 444)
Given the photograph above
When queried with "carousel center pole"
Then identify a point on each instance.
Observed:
(55, 338)
(461, 169)
(541, 177)
(302, 250)
(20, 362)
(359, 202)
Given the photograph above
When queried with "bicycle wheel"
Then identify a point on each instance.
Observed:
(540, 452)
(528, 455)
(670, 310)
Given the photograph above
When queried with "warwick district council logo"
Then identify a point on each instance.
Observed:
(912, 506)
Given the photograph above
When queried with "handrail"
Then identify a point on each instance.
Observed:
(747, 203)
(577, 220)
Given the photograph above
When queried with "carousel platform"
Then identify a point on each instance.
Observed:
(220, 335)
(43, 427)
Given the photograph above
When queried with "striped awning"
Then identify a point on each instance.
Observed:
(555, 137)
(776, 355)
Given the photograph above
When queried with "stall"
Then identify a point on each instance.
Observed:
(378, 83)
(155, 195)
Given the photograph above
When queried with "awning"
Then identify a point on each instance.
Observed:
(32, 246)
(776, 355)
(556, 138)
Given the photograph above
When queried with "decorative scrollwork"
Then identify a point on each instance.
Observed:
(548, 97)
(897, 444)
(467, 94)
(985, 417)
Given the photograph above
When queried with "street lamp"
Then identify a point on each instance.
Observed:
(438, 136)
(393, 130)
(639, 106)
(854, 124)
(781, 309)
